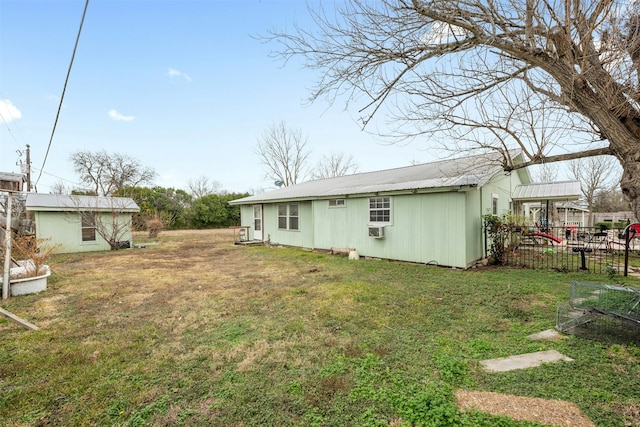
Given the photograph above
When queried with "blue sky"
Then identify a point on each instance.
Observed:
(182, 86)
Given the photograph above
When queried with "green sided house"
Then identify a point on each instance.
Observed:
(428, 213)
(82, 223)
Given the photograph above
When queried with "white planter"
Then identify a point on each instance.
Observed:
(29, 285)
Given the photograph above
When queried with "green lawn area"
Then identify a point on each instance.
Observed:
(195, 331)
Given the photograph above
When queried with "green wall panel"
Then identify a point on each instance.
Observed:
(443, 228)
(63, 229)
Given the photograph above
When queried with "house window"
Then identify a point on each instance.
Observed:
(333, 203)
(494, 204)
(88, 227)
(293, 217)
(288, 216)
(379, 209)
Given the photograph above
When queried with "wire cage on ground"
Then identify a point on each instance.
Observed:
(601, 312)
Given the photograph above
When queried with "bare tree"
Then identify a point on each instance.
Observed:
(107, 217)
(201, 187)
(106, 173)
(635, 208)
(595, 174)
(282, 151)
(610, 201)
(547, 172)
(558, 80)
(59, 187)
(336, 164)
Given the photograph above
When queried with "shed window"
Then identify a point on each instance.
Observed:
(288, 216)
(380, 209)
(336, 203)
(494, 204)
(88, 227)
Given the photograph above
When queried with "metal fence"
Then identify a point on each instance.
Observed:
(569, 248)
(601, 312)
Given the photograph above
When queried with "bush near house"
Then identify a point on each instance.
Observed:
(214, 211)
(609, 226)
(178, 210)
(169, 204)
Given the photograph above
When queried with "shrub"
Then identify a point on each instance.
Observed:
(498, 231)
(605, 225)
(154, 227)
(36, 251)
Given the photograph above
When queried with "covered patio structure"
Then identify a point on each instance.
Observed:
(539, 204)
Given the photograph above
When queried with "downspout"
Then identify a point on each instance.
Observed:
(262, 221)
(313, 225)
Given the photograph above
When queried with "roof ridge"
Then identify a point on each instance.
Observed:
(432, 163)
(552, 182)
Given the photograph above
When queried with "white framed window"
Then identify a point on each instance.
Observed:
(494, 204)
(288, 216)
(380, 210)
(337, 203)
(88, 226)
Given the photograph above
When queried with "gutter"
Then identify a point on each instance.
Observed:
(402, 192)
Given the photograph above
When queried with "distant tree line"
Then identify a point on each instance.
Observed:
(120, 175)
(178, 209)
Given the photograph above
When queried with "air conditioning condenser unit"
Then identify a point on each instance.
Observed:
(376, 232)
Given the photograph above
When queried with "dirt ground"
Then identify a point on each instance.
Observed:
(550, 412)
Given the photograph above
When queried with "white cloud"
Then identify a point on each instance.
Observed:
(120, 117)
(173, 73)
(441, 33)
(8, 111)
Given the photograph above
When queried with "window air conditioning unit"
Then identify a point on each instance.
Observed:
(376, 232)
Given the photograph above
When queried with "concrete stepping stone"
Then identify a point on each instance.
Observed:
(522, 361)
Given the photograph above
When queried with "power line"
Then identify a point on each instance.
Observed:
(9, 130)
(64, 89)
(59, 177)
(64, 181)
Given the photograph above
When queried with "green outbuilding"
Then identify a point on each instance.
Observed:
(428, 213)
(81, 223)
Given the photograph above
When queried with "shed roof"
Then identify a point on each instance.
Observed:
(561, 190)
(451, 173)
(63, 202)
(10, 176)
(11, 182)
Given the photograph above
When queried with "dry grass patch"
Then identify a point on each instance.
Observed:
(630, 411)
(549, 412)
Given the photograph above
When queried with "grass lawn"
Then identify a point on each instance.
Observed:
(195, 331)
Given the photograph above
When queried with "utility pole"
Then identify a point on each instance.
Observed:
(7, 250)
(25, 168)
(28, 168)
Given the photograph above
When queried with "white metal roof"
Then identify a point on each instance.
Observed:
(453, 173)
(561, 190)
(10, 176)
(63, 202)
